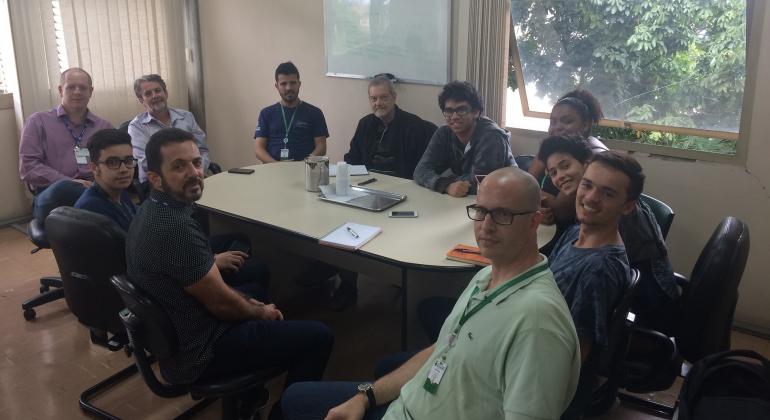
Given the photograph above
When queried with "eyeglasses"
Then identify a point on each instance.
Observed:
(499, 216)
(460, 111)
(114, 162)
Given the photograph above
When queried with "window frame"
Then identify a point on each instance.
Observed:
(754, 15)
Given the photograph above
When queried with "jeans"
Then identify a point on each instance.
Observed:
(61, 193)
(312, 400)
(302, 348)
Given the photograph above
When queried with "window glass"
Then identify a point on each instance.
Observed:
(677, 64)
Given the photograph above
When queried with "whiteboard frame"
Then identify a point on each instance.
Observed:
(399, 80)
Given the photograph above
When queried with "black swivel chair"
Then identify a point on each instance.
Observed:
(664, 214)
(708, 305)
(90, 248)
(152, 335)
(523, 161)
(37, 234)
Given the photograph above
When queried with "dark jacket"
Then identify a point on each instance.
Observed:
(411, 134)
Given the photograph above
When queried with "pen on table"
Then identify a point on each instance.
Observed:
(368, 181)
(352, 232)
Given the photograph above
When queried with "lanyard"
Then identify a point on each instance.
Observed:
(468, 314)
(79, 137)
(287, 127)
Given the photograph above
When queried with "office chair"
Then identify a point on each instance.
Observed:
(90, 248)
(37, 234)
(523, 161)
(664, 215)
(152, 335)
(708, 305)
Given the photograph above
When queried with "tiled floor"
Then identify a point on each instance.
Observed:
(47, 363)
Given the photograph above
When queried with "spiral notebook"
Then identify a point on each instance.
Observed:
(350, 236)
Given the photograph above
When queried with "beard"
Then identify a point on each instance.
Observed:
(183, 194)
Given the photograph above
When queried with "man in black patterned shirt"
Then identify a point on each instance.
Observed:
(220, 329)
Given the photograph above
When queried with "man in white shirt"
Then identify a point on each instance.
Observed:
(151, 92)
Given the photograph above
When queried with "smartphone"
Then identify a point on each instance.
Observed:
(240, 246)
(403, 213)
(244, 171)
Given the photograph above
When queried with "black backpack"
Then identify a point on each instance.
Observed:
(727, 386)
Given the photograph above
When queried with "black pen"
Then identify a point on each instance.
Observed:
(368, 181)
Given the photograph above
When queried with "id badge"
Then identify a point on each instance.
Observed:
(284, 154)
(434, 375)
(81, 156)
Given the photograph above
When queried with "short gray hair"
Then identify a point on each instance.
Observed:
(383, 81)
(147, 78)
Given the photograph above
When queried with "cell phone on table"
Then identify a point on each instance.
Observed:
(403, 213)
(244, 171)
(240, 246)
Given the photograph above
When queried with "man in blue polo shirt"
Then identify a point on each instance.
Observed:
(290, 129)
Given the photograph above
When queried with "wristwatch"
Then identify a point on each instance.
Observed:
(368, 389)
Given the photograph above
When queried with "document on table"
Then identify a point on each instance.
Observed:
(350, 236)
(354, 170)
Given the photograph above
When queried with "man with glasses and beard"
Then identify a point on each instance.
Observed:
(221, 329)
(467, 146)
(389, 140)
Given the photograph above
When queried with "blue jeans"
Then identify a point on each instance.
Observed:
(312, 400)
(61, 193)
(302, 348)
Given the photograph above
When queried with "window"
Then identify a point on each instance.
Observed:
(116, 41)
(668, 73)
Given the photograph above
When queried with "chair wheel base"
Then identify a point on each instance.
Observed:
(29, 314)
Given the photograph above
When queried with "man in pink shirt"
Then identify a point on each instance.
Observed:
(53, 154)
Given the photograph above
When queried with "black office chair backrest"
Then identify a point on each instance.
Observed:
(619, 332)
(712, 293)
(89, 248)
(150, 331)
(664, 214)
(523, 161)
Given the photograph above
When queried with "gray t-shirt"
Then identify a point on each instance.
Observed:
(592, 281)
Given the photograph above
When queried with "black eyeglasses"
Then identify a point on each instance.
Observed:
(114, 162)
(499, 216)
(461, 111)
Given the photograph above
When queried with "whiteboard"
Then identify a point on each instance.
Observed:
(407, 38)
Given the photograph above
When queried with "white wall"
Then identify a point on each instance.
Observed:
(243, 41)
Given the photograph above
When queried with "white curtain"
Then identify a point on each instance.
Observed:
(117, 41)
(488, 53)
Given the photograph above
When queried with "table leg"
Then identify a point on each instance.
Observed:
(404, 310)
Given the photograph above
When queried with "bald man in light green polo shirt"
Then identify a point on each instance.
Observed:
(508, 350)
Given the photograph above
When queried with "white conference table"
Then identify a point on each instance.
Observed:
(274, 200)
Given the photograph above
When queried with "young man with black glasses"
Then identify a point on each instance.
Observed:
(468, 145)
(112, 163)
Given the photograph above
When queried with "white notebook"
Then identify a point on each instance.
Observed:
(353, 170)
(350, 236)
